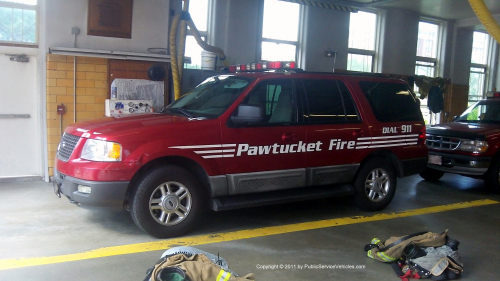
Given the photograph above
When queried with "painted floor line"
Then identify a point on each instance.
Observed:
(231, 236)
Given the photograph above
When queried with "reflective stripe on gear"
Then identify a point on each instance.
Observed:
(385, 257)
(369, 253)
(375, 241)
(223, 276)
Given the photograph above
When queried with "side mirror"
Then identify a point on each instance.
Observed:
(248, 114)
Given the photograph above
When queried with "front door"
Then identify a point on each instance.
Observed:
(271, 154)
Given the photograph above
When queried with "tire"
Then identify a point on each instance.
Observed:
(431, 175)
(492, 177)
(167, 202)
(375, 184)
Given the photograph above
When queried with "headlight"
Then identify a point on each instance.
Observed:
(473, 146)
(99, 150)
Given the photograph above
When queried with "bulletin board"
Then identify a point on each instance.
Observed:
(110, 18)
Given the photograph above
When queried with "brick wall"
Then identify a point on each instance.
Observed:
(91, 91)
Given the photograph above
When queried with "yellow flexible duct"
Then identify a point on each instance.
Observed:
(173, 56)
(182, 41)
(177, 56)
(486, 18)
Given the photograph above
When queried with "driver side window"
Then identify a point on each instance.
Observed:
(277, 99)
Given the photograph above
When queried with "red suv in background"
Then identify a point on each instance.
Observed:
(468, 146)
(247, 139)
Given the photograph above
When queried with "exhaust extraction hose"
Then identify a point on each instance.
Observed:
(486, 18)
(177, 56)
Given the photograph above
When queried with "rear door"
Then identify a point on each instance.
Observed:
(333, 122)
(397, 121)
(271, 154)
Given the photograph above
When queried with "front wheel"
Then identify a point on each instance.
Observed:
(375, 184)
(492, 177)
(167, 202)
(431, 175)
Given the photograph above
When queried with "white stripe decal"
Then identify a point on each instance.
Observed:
(388, 137)
(388, 145)
(389, 141)
(203, 146)
(218, 156)
(214, 151)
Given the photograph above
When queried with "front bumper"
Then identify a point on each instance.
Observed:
(461, 164)
(103, 194)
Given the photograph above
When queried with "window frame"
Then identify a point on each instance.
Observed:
(439, 47)
(487, 67)
(12, 5)
(203, 33)
(373, 53)
(262, 39)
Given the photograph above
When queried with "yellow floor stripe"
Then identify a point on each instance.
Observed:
(231, 236)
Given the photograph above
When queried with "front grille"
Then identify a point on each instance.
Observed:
(66, 146)
(442, 143)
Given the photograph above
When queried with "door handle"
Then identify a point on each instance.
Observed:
(358, 133)
(289, 137)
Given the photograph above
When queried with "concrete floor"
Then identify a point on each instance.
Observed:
(35, 223)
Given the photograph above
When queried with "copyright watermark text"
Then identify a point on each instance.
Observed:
(284, 266)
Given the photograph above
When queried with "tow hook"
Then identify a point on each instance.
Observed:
(57, 188)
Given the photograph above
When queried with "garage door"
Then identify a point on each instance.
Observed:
(20, 154)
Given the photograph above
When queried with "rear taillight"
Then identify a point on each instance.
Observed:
(421, 135)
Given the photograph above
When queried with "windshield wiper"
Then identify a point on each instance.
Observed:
(181, 110)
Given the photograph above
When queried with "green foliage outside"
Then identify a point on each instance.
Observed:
(17, 25)
(474, 114)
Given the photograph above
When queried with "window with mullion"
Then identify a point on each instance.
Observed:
(199, 11)
(362, 41)
(280, 29)
(18, 22)
(479, 66)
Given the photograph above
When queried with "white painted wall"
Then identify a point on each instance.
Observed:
(461, 55)
(149, 26)
(238, 38)
(325, 30)
(400, 42)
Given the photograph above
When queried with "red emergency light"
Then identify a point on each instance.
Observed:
(262, 66)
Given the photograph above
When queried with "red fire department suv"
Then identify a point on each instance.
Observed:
(247, 139)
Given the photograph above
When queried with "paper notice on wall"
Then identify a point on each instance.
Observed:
(139, 89)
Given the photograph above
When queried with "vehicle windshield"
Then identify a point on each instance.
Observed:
(211, 98)
(486, 111)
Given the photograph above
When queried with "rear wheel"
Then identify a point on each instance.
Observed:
(375, 184)
(431, 175)
(167, 202)
(492, 177)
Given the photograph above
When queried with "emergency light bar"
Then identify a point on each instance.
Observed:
(262, 66)
(493, 94)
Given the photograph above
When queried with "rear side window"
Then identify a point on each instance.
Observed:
(391, 102)
(329, 101)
